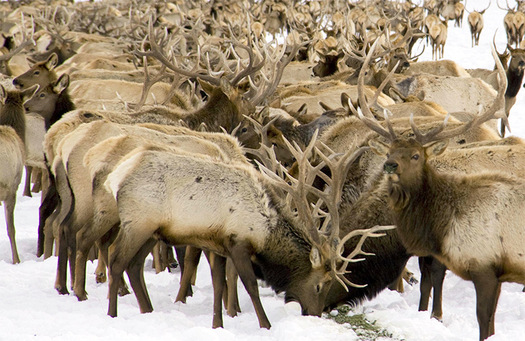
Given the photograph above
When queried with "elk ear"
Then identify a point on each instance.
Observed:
(28, 93)
(315, 258)
(227, 88)
(3, 94)
(61, 84)
(435, 148)
(51, 61)
(379, 147)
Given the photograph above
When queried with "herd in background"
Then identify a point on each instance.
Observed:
(257, 132)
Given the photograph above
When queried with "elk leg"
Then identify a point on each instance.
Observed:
(487, 293)
(240, 254)
(100, 270)
(218, 276)
(130, 243)
(135, 273)
(180, 252)
(191, 260)
(60, 282)
(425, 285)
(438, 276)
(48, 205)
(27, 185)
(9, 209)
(37, 180)
(157, 258)
(232, 305)
(85, 239)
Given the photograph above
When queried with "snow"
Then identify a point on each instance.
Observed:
(31, 309)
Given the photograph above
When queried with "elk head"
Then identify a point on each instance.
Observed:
(41, 73)
(406, 161)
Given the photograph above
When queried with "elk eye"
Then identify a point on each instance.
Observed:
(387, 155)
(36, 73)
(243, 130)
(318, 288)
(415, 157)
(42, 95)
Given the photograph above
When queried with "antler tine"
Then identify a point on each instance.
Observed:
(368, 121)
(440, 134)
(358, 250)
(24, 42)
(156, 51)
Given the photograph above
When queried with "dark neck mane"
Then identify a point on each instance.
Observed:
(421, 230)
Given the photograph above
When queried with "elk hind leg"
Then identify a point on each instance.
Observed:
(9, 209)
(135, 273)
(438, 276)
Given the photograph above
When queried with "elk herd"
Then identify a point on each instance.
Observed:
(299, 143)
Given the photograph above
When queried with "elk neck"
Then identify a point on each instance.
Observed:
(514, 79)
(423, 219)
(285, 256)
(12, 114)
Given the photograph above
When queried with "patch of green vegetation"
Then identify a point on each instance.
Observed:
(365, 330)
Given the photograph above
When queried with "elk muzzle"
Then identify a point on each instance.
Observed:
(390, 167)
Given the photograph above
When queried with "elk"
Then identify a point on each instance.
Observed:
(453, 217)
(475, 21)
(94, 200)
(12, 149)
(514, 79)
(225, 208)
(438, 38)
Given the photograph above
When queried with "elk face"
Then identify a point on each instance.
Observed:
(311, 290)
(44, 101)
(517, 61)
(406, 159)
(40, 73)
(400, 56)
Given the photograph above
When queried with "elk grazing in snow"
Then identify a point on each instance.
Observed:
(464, 221)
(226, 197)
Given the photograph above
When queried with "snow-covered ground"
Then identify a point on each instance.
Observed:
(31, 309)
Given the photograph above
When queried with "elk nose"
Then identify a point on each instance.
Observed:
(390, 167)
(17, 83)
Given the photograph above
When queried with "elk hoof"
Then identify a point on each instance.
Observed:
(81, 297)
(123, 291)
(439, 318)
(61, 290)
(100, 277)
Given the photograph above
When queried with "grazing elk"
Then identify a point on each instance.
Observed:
(464, 221)
(226, 196)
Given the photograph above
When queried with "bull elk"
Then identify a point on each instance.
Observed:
(248, 219)
(514, 79)
(464, 221)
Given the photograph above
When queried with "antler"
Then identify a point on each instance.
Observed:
(440, 134)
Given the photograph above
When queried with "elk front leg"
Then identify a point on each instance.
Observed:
(240, 255)
(218, 276)
(438, 276)
(425, 285)
(487, 293)
(191, 260)
(232, 305)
